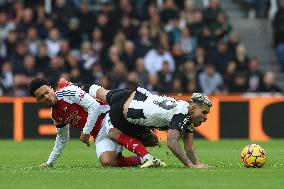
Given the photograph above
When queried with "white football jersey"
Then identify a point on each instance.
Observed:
(159, 111)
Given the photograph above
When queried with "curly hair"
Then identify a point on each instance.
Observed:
(200, 99)
(35, 84)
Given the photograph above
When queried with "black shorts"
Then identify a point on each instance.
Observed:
(116, 99)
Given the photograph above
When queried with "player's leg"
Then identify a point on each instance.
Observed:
(135, 146)
(108, 159)
(130, 143)
(108, 151)
(151, 141)
(109, 154)
(95, 91)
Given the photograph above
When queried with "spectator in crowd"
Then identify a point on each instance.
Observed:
(255, 76)
(206, 40)
(53, 42)
(176, 86)
(233, 42)
(200, 58)
(153, 83)
(141, 72)
(210, 80)
(143, 43)
(119, 40)
(65, 49)
(5, 26)
(32, 40)
(169, 11)
(85, 17)
(173, 29)
(241, 58)
(129, 55)
(178, 54)
(73, 33)
(278, 27)
(6, 78)
(230, 73)
(165, 76)
(87, 56)
(111, 58)
(10, 45)
(26, 21)
(42, 58)
(25, 74)
(128, 28)
(188, 11)
(240, 83)
(98, 44)
(103, 22)
(118, 75)
(61, 14)
(188, 43)
(155, 57)
(197, 24)
(221, 56)
(188, 75)
(55, 69)
(269, 85)
(155, 24)
(221, 28)
(211, 13)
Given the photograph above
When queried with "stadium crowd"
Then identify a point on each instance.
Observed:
(170, 46)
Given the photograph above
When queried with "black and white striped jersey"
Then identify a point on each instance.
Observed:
(160, 112)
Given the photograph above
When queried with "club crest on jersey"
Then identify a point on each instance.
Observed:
(73, 118)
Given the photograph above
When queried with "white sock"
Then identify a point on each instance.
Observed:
(146, 157)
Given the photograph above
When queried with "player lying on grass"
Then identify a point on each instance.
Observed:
(140, 109)
(72, 106)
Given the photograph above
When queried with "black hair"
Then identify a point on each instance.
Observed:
(35, 84)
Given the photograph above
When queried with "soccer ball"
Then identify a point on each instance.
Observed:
(253, 155)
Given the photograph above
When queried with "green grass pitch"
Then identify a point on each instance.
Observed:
(78, 167)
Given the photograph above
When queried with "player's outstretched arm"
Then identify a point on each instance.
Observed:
(59, 145)
(173, 145)
(45, 165)
(189, 148)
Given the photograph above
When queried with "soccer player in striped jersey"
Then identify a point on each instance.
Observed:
(140, 109)
(71, 106)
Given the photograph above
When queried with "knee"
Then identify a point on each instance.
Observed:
(114, 134)
(152, 141)
(106, 162)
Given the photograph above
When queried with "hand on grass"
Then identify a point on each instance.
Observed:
(85, 139)
(201, 166)
(45, 165)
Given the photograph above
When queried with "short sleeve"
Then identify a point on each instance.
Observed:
(177, 122)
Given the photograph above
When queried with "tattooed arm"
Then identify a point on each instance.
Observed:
(189, 148)
(173, 145)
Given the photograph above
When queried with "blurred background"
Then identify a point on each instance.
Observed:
(217, 47)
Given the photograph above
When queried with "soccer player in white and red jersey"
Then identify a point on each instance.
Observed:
(71, 106)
